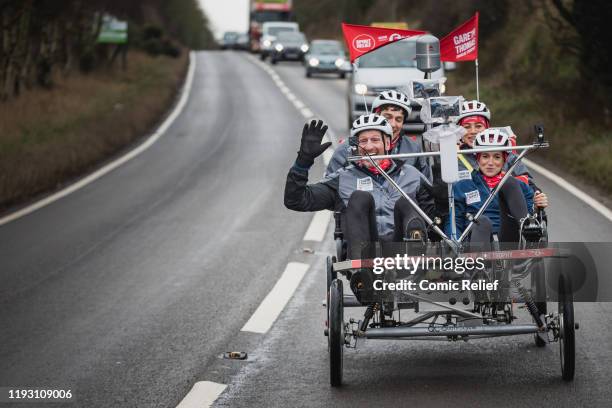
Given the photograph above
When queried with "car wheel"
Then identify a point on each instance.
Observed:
(308, 74)
(342, 75)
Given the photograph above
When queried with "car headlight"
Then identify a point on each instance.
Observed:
(442, 89)
(267, 43)
(313, 62)
(278, 47)
(304, 48)
(339, 62)
(361, 89)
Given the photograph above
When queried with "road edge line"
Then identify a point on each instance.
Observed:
(576, 192)
(159, 132)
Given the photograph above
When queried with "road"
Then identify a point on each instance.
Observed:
(129, 290)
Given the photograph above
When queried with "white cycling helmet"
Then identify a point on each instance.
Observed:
(371, 122)
(395, 98)
(474, 108)
(492, 137)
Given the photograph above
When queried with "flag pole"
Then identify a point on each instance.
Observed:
(477, 88)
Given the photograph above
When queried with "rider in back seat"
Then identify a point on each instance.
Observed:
(372, 208)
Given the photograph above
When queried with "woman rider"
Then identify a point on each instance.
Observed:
(513, 203)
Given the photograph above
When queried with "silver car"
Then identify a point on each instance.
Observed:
(326, 57)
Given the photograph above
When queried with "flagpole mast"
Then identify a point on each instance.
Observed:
(477, 88)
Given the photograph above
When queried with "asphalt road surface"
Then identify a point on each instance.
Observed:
(129, 290)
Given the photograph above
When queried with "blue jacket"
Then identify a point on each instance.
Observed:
(470, 195)
(519, 170)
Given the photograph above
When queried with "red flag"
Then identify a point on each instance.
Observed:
(363, 39)
(462, 43)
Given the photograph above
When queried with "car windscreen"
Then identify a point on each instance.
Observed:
(276, 30)
(289, 36)
(327, 48)
(400, 54)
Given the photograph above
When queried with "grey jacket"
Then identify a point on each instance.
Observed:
(334, 191)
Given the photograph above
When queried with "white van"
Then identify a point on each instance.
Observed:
(269, 31)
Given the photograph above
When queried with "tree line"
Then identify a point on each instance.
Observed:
(42, 38)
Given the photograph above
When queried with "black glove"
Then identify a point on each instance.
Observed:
(310, 146)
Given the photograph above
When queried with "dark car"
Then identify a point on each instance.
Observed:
(229, 39)
(242, 42)
(289, 46)
(326, 56)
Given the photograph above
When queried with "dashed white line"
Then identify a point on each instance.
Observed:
(307, 113)
(581, 195)
(202, 394)
(118, 162)
(274, 303)
(318, 226)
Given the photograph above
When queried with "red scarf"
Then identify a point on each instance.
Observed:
(393, 144)
(493, 181)
(384, 164)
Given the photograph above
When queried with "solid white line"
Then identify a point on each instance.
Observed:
(581, 195)
(274, 303)
(118, 162)
(318, 226)
(298, 104)
(202, 394)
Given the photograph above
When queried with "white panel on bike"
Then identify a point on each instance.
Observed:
(447, 137)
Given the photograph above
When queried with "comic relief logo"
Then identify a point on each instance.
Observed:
(395, 37)
(363, 43)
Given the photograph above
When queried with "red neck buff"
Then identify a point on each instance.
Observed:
(493, 181)
(384, 164)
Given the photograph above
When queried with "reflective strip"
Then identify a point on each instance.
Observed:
(465, 163)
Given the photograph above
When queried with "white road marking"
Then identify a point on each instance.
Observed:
(581, 195)
(318, 226)
(202, 394)
(307, 113)
(298, 104)
(274, 303)
(118, 162)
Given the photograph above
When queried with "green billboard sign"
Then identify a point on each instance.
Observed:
(113, 31)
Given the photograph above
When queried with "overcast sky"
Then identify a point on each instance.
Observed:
(227, 15)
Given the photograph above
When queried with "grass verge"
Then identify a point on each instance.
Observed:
(48, 138)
